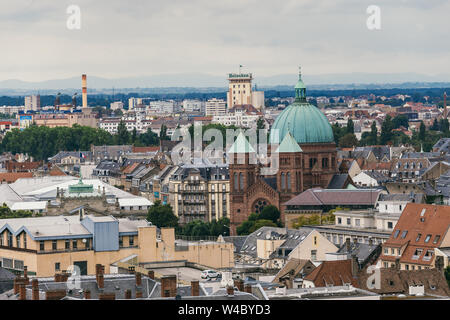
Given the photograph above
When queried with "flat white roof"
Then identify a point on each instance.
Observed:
(29, 205)
(137, 201)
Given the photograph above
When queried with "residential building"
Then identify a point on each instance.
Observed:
(215, 107)
(421, 229)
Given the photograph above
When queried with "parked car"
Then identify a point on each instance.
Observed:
(209, 274)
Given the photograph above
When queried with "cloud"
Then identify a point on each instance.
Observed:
(141, 37)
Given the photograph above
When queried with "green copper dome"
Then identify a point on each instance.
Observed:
(305, 122)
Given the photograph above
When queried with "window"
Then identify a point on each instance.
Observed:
(417, 254)
(349, 221)
(436, 239)
(313, 255)
(67, 245)
(54, 245)
(418, 236)
(428, 237)
(407, 266)
(390, 225)
(24, 241)
(357, 222)
(74, 244)
(283, 181)
(57, 266)
(88, 244)
(396, 233)
(131, 241)
(18, 241)
(392, 251)
(404, 233)
(41, 245)
(315, 240)
(120, 241)
(339, 220)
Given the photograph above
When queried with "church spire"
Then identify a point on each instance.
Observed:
(300, 88)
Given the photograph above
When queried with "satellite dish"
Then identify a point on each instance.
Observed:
(268, 236)
(84, 240)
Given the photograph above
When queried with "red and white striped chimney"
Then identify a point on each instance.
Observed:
(84, 90)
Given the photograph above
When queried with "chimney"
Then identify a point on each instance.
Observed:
(195, 288)
(101, 281)
(128, 294)
(151, 274)
(230, 291)
(25, 272)
(370, 242)
(35, 289)
(16, 285)
(169, 286)
(57, 277)
(138, 277)
(439, 263)
(138, 294)
(355, 240)
(355, 265)
(87, 294)
(84, 90)
(347, 244)
(248, 288)
(239, 284)
(22, 292)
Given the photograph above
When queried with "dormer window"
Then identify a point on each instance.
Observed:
(418, 236)
(436, 239)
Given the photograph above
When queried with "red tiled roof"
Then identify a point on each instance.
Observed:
(145, 149)
(336, 273)
(131, 168)
(55, 171)
(424, 219)
(11, 177)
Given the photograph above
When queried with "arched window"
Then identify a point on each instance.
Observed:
(283, 181)
(241, 181)
(289, 181)
(236, 182)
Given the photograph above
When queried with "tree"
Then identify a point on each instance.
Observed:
(162, 215)
(163, 133)
(400, 121)
(149, 138)
(123, 136)
(271, 213)
(443, 125)
(350, 126)
(422, 131)
(7, 213)
(133, 135)
(262, 223)
(386, 130)
(435, 125)
(244, 228)
(373, 137)
(447, 275)
(347, 141)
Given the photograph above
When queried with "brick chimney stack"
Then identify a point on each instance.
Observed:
(35, 289)
(128, 294)
(138, 294)
(25, 272)
(355, 265)
(169, 286)
(22, 292)
(151, 274)
(99, 273)
(248, 288)
(138, 277)
(87, 294)
(239, 284)
(347, 244)
(230, 291)
(195, 288)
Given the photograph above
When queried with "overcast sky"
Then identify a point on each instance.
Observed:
(126, 38)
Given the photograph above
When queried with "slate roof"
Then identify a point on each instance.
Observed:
(320, 197)
(410, 197)
(443, 184)
(443, 145)
(338, 181)
(362, 251)
(237, 241)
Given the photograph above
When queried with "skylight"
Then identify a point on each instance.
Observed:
(404, 233)
(396, 233)
(427, 239)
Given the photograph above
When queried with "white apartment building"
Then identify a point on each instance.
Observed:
(215, 107)
(117, 105)
(133, 102)
(193, 105)
(239, 119)
(32, 103)
(163, 107)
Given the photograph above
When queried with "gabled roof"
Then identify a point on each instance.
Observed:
(288, 145)
(335, 273)
(319, 197)
(241, 145)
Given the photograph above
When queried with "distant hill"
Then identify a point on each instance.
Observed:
(198, 82)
